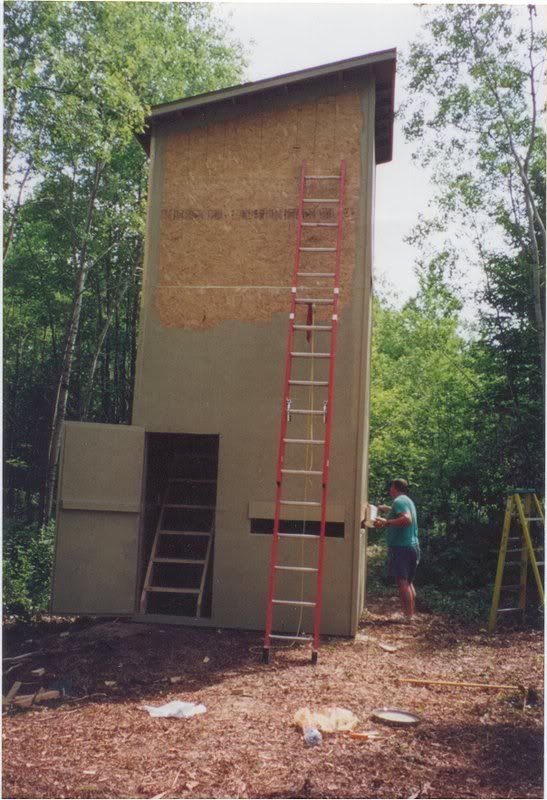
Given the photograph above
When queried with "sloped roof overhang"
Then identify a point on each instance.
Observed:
(380, 66)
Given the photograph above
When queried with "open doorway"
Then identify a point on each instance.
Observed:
(179, 524)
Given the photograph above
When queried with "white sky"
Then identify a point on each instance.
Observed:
(284, 37)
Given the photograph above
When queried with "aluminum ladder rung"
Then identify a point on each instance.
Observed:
(167, 560)
(172, 589)
(299, 536)
(505, 610)
(295, 354)
(319, 300)
(302, 471)
(319, 224)
(534, 519)
(296, 569)
(322, 177)
(290, 638)
(312, 327)
(512, 563)
(321, 200)
(304, 441)
(299, 503)
(540, 563)
(317, 249)
(513, 587)
(308, 411)
(308, 383)
(168, 532)
(316, 274)
(293, 603)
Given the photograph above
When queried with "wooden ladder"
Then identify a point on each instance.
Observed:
(155, 584)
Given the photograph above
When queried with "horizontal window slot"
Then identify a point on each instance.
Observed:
(298, 526)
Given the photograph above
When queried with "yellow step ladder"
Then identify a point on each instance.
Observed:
(523, 508)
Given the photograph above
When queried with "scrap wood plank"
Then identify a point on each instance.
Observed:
(427, 682)
(41, 696)
(22, 656)
(12, 692)
(25, 700)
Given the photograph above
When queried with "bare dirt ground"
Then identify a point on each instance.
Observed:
(97, 742)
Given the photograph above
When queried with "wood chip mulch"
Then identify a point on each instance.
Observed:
(97, 743)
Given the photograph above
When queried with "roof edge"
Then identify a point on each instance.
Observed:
(382, 65)
(346, 65)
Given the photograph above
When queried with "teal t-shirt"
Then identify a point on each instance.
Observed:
(406, 536)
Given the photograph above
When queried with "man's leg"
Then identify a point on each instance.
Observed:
(413, 594)
(407, 599)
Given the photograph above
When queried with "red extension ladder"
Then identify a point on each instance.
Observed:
(301, 301)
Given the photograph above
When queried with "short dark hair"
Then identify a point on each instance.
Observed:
(400, 484)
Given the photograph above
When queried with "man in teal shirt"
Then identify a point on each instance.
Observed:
(402, 542)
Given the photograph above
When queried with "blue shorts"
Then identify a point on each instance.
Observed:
(402, 562)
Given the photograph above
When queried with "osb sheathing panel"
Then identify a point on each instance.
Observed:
(229, 210)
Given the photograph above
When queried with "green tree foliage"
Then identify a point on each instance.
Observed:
(78, 80)
(473, 80)
(422, 398)
(457, 409)
(430, 423)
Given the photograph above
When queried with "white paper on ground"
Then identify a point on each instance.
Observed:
(177, 708)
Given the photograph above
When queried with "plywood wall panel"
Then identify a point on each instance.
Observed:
(216, 150)
(204, 308)
(229, 210)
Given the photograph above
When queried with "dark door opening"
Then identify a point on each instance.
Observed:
(179, 524)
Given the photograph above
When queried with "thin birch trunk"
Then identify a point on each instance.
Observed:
(15, 211)
(59, 410)
(115, 305)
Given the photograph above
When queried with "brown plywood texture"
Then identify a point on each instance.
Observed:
(229, 210)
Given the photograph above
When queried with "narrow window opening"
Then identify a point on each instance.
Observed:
(312, 528)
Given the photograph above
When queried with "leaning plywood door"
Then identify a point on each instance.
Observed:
(98, 519)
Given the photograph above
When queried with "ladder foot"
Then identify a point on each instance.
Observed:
(314, 656)
(265, 655)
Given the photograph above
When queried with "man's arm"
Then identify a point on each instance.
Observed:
(401, 521)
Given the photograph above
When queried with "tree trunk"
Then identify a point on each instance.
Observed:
(8, 236)
(63, 384)
(535, 285)
(114, 306)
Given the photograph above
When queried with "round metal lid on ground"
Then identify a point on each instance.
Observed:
(395, 716)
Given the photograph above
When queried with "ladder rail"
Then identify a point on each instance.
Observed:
(524, 559)
(539, 509)
(328, 421)
(285, 418)
(527, 553)
(283, 432)
(528, 541)
(205, 570)
(150, 567)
